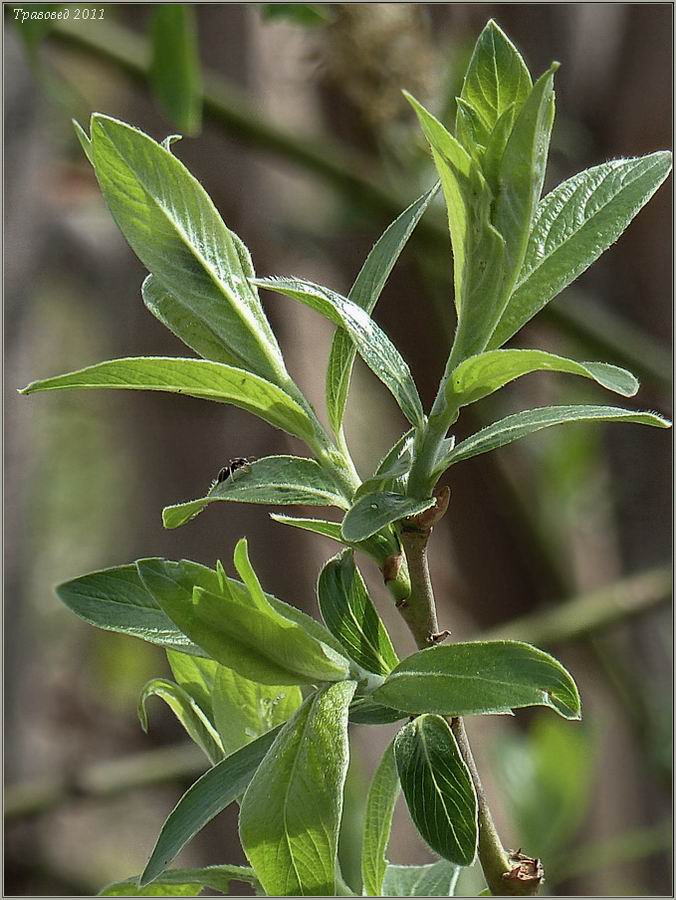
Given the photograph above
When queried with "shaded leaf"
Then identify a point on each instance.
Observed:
(209, 795)
(274, 480)
(196, 676)
(511, 428)
(117, 600)
(365, 292)
(572, 227)
(187, 711)
(435, 880)
(351, 617)
(372, 344)
(380, 802)
(390, 474)
(194, 377)
(374, 511)
(378, 546)
(290, 815)
(438, 788)
(175, 73)
(175, 230)
(478, 678)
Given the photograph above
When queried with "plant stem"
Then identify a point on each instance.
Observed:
(420, 614)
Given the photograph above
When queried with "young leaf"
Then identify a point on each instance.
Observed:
(435, 880)
(438, 788)
(290, 815)
(520, 176)
(496, 77)
(246, 572)
(363, 711)
(117, 600)
(177, 233)
(365, 292)
(195, 377)
(84, 140)
(392, 469)
(261, 646)
(380, 803)
(470, 130)
(480, 375)
(479, 678)
(244, 709)
(196, 676)
(374, 511)
(573, 226)
(175, 68)
(183, 882)
(379, 546)
(351, 617)
(511, 428)
(208, 796)
(188, 713)
(372, 344)
(277, 480)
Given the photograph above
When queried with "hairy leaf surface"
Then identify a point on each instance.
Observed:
(380, 803)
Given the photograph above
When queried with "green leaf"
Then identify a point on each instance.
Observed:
(379, 546)
(380, 802)
(196, 676)
(290, 815)
(277, 480)
(470, 130)
(479, 678)
(246, 572)
(374, 511)
(175, 230)
(208, 796)
(435, 880)
(117, 600)
(262, 646)
(521, 174)
(478, 248)
(364, 711)
(84, 140)
(372, 344)
(195, 377)
(365, 292)
(511, 428)
(351, 617)
(182, 882)
(175, 68)
(496, 76)
(244, 709)
(188, 713)
(573, 226)
(390, 475)
(438, 788)
(480, 375)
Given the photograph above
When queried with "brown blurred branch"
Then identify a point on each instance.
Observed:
(350, 174)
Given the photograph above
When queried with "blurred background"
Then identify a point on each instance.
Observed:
(309, 150)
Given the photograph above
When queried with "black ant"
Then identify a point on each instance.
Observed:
(239, 462)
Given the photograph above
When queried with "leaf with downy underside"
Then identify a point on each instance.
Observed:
(364, 711)
(573, 226)
(365, 292)
(290, 814)
(521, 424)
(245, 709)
(188, 713)
(349, 614)
(480, 375)
(116, 599)
(182, 882)
(372, 344)
(438, 788)
(380, 802)
(273, 480)
(261, 646)
(175, 73)
(208, 796)
(174, 228)
(520, 177)
(478, 248)
(435, 880)
(379, 546)
(480, 678)
(496, 76)
(199, 378)
(374, 511)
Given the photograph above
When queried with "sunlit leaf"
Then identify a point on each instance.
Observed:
(380, 802)
(435, 880)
